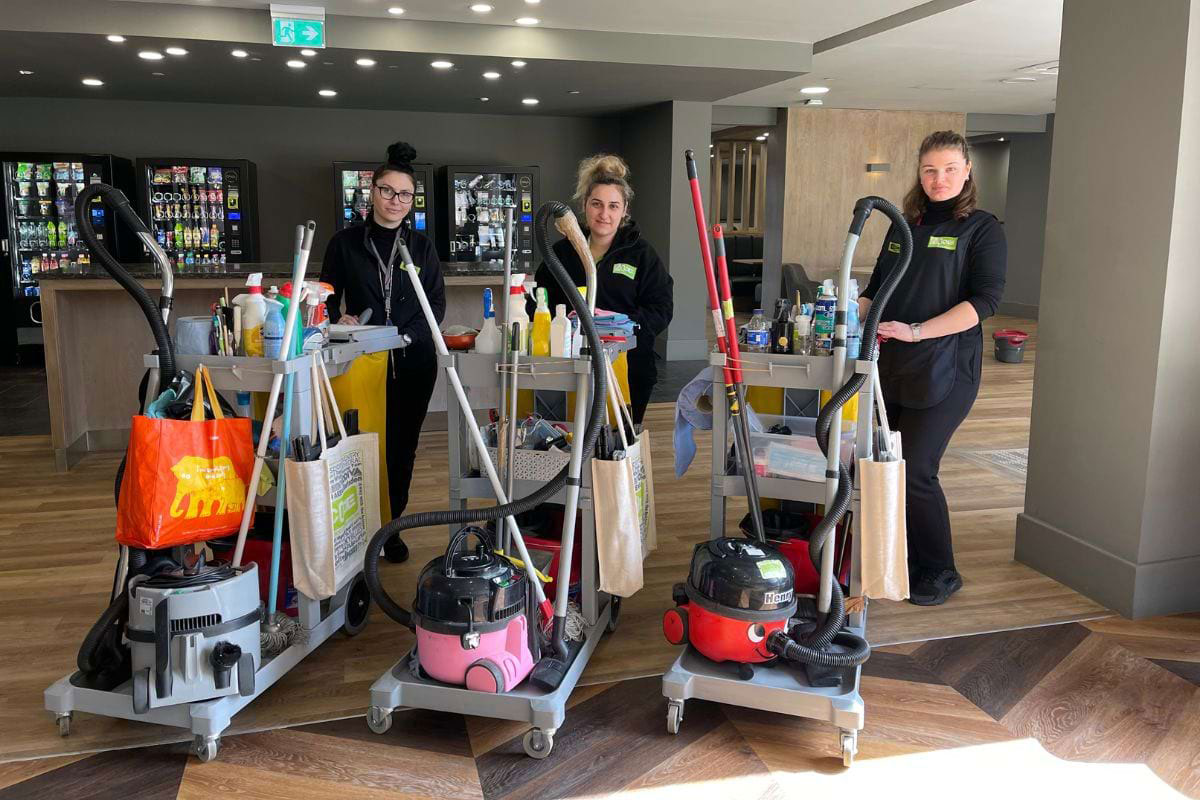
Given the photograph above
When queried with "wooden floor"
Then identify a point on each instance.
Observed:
(1075, 710)
(56, 560)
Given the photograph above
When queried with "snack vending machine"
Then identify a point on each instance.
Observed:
(38, 234)
(472, 233)
(203, 211)
(352, 203)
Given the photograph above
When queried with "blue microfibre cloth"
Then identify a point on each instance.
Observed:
(693, 411)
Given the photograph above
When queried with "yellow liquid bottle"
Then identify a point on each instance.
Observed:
(539, 340)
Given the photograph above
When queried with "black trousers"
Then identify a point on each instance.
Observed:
(643, 374)
(925, 433)
(409, 388)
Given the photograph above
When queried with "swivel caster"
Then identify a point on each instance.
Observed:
(614, 614)
(538, 743)
(674, 716)
(206, 747)
(849, 747)
(379, 720)
(358, 606)
(64, 724)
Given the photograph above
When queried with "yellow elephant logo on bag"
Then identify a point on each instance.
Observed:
(210, 486)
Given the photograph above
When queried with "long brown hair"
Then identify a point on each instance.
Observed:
(916, 199)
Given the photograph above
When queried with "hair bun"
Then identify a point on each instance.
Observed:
(401, 153)
(604, 166)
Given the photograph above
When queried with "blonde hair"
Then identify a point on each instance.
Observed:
(603, 169)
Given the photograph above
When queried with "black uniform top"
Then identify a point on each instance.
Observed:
(953, 261)
(630, 279)
(352, 269)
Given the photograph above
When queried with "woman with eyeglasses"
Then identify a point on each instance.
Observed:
(362, 263)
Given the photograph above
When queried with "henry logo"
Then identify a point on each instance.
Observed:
(211, 487)
(628, 270)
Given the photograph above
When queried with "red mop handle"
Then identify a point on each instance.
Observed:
(705, 253)
(733, 352)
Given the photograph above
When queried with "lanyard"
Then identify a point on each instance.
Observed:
(385, 270)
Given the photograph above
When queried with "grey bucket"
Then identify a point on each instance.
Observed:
(1010, 350)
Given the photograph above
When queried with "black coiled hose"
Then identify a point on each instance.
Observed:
(596, 418)
(813, 649)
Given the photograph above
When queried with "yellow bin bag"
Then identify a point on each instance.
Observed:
(364, 386)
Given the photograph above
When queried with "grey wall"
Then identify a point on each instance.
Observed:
(294, 147)
(989, 168)
(1025, 218)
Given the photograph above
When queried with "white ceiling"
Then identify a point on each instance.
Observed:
(779, 20)
(950, 61)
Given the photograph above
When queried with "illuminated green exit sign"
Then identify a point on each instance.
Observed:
(297, 26)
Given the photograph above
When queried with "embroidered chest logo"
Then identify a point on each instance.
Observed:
(894, 247)
(628, 270)
(944, 242)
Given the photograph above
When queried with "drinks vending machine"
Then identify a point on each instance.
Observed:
(472, 233)
(203, 211)
(352, 203)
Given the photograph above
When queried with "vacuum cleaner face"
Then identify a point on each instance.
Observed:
(471, 617)
(737, 594)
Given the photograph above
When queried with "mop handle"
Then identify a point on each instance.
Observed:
(689, 159)
(731, 343)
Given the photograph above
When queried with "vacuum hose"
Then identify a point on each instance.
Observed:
(813, 649)
(116, 199)
(596, 418)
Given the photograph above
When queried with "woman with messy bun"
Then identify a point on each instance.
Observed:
(630, 277)
(362, 264)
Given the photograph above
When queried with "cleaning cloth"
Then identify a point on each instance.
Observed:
(693, 411)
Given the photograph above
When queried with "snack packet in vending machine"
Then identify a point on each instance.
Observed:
(197, 175)
(215, 176)
(162, 176)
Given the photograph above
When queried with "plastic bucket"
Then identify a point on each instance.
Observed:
(1010, 345)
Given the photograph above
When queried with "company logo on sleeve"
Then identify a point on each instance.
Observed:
(628, 270)
(944, 242)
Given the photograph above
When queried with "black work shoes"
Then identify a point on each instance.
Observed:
(933, 587)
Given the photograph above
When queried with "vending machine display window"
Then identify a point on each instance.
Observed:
(478, 199)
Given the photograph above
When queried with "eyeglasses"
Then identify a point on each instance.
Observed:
(387, 193)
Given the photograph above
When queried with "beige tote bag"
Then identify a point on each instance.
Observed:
(884, 530)
(619, 545)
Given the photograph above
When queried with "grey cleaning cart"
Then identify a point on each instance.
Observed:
(320, 619)
(782, 688)
(402, 685)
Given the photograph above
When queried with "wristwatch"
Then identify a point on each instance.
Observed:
(915, 327)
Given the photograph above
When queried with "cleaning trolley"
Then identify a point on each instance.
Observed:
(752, 639)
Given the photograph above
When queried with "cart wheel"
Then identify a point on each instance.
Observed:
(358, 606)
(141, 691)
(674, 716)
(64, 724)
(538, 743)
(614, 614)
(206, 747)
(849, 747)
(379, 720)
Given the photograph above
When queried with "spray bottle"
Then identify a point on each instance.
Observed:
(254, 313)
(540, 337)
(823, 320)
(272, 330)
(560, 333)
(488, 340)
(516, 308)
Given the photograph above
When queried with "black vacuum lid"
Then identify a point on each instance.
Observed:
(471, 587)
(742, 574)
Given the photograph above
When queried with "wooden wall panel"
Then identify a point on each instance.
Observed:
(828, 152)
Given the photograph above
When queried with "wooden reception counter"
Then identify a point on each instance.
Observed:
(95, 336)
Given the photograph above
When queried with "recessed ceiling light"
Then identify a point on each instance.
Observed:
(150, 55)
(238, 53)
(1018, 80)
(441, 64)
(484, 99)
(814, 90)
(1002, 138)
(480, 8)
(365, 62)
(533, 2)
(176, 51)
(296, 63)
(710, 147)
(760, 138)
(530, 101)
(573, 91)
(255, 58)
(306, 52)
(327, 93)
(396, 10)
(92, 82)
(24, 72)
(115, 38)
(527, 20)
(518, 64)
(765, 134)
(491, 76)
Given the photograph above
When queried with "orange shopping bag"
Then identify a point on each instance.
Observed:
(185, 480)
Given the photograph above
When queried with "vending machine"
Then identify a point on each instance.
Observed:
(203, 211)
(38, 234)
(472, 229)
(352, 201)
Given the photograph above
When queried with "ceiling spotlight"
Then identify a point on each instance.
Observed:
(760, 138)
(92, 82)
(814, 90)
(765, 134)
(530, 101)
(24, 72)
(159, 74)
(238, 53)
(396, 10)
(480, 8)
(327, 93)
(484, 99)
(176, 51)
(306, 52)
(1002, 138)
(296, 63)
(491, 76)
(115, 38)
(518, 64)
(710, 147)
(151, 55)
(1018, 80)
(527, 20)
(573, 91)
(365, 62)
(255, 58)
(441, 64)
(533, 2)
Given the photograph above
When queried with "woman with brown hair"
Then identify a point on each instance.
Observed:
(931, 359)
